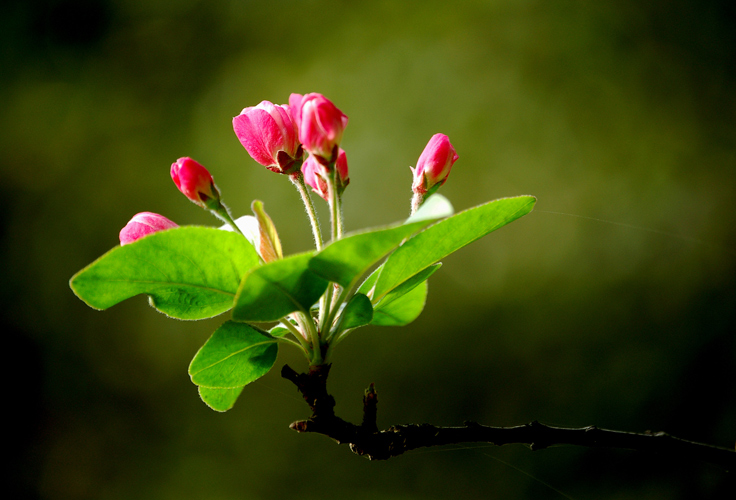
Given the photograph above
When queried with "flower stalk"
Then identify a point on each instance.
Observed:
(222, 212)
(298, 180)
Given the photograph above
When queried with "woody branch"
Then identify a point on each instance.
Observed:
(368, 441)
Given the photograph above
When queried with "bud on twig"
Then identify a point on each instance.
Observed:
(195, 182)
(433, 168)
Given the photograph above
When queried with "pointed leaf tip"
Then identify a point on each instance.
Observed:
(447, 236)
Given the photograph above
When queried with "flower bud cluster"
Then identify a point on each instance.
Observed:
(277, 136)
(302, 140)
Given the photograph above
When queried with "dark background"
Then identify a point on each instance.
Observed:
(621, 315)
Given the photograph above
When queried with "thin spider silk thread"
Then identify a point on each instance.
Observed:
(668, 234)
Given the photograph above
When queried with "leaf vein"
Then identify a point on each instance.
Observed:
(234, 353)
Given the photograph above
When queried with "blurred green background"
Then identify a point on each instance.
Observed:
(620, 315)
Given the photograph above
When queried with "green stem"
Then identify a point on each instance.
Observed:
(223, 213)
(294, 343)
(295, 331)
(416, 202)
(344, 296)
(298, 180)
(316, 346)
(332, 344)
(338, 229)
(335, 205)
(340, 219)
(326, 302)
(306, 322)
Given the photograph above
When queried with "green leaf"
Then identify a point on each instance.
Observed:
(447, 236)
(344, 261)
(219, 399)
(234, 356)
(358, 312)
(270, 292)
(403, 310)
(409, 285)
(189, 272)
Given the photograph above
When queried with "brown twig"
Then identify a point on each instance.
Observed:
(366, 440)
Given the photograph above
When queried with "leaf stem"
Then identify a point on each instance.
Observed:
(292, 342)
(344, 297)
(316, 347)
(295, 331)
(311, 336)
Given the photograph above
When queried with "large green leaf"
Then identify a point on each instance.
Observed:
(344, 261)
(234, 356)
(278, 288)
(403, 310)
(189, 272)
(219, 399)
(447, 236)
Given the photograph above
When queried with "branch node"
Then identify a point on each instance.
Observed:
(370, 410)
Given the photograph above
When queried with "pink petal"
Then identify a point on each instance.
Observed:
(259, 134)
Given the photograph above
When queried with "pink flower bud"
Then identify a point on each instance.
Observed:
(270, 136)
(315, 174)
(434, 164)
(143, 224)
(195, 182)
(320, 124)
